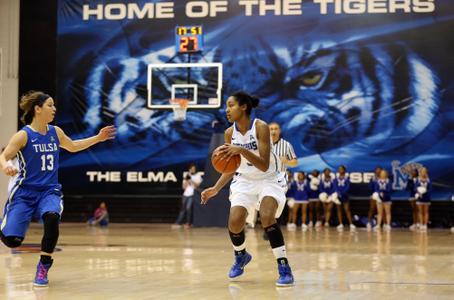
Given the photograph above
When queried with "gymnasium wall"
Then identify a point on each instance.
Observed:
(363, 86)
(9, 60)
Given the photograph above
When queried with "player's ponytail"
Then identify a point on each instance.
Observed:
(28, 102)
(244, 98)
(255, 101)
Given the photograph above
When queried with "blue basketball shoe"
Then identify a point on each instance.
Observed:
(241, 260)
(41, 274)
(285, 275)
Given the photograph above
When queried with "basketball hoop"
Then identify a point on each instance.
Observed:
(179, 107)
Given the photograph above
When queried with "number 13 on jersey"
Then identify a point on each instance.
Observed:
(47, 162)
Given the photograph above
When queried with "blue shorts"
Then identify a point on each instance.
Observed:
(25, 203)
(343, 198)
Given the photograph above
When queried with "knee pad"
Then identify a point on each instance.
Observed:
(51, 232)
(51, 223)
(11, 241)
(51, 218)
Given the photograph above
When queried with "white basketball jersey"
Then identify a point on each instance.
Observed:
(250, 142)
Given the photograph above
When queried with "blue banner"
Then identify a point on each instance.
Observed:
(350, 83)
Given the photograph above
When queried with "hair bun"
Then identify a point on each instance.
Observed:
(255, 101)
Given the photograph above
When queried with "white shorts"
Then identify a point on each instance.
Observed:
(249, 193)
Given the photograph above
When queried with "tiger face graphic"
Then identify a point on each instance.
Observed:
(332, 101)
(369, 99)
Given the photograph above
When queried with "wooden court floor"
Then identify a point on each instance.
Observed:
(137, 261)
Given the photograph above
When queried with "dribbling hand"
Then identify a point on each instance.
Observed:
(207, 194)
(107, 133)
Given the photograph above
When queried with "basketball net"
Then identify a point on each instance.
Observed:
(179, 107)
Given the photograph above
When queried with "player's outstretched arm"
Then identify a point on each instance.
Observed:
(106, 133)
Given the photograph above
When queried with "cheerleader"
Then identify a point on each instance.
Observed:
(314, 202)
(423, 188)
(341, 187)
(300, 193)
(290, 200)
(382, 194)
(326, 190)
(372, 201)
(411, 190)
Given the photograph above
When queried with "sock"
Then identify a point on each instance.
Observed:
(45, 259)
(238, 241)
(277, 243)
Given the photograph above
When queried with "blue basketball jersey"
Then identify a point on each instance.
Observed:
(38, 160)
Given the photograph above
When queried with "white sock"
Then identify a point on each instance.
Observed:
(280, 252)
(240, 247)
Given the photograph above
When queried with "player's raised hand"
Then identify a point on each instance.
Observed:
(107, 133)
(10, 169)
(207, 194)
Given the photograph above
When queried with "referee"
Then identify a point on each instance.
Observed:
(282, 148)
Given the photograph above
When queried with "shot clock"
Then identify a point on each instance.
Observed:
(189, 39)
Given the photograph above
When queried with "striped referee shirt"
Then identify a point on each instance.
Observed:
(282, 148)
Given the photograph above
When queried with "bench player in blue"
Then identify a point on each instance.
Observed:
(36, 191)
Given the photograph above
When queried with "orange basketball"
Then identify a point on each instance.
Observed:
(225, 165)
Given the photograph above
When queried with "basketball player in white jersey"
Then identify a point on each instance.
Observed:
(258, 181)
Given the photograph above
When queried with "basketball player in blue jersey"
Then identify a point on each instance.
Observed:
(36, 191)
(258, 182)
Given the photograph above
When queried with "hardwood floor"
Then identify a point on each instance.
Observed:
(135, 261)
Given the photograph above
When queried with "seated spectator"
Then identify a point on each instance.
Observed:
(101, 216)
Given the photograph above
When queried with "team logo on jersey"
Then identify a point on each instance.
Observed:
(401, 173)
(52, 139)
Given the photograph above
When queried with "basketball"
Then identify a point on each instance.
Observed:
(225, 165)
